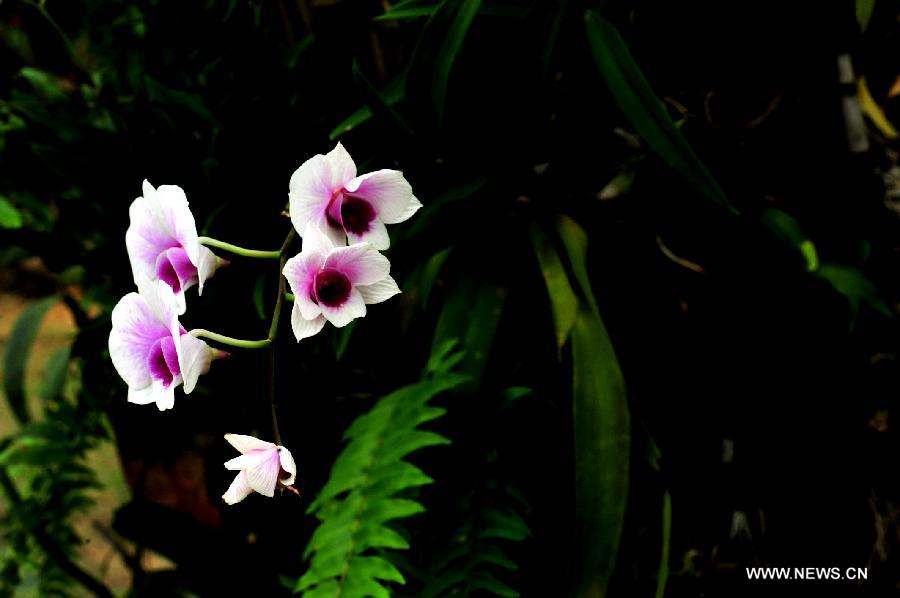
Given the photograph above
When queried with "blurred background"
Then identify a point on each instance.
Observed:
(648, 331)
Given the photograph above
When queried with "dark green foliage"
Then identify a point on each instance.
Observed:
(365, 494)
(15, 358)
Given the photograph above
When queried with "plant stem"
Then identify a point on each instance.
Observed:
(53, 550)
(273, 332)
(258, 253)
(228, 340)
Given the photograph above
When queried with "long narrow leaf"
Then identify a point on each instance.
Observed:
(18, 350)
(643, 109)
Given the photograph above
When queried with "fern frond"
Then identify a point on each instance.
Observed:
(360, 499)
(477, 555)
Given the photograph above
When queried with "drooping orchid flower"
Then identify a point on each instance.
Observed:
(334, 284)
(162, 241)
(325, 192)
(261, 467)
(149, 348)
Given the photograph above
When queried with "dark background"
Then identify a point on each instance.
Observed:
(727, 342)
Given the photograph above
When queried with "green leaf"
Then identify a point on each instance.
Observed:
(362, 495)
(10, 216)
(392, 94)
(788, 229)
(471, 314)
(662, 575)
(453, 43)
(602, 429)
(563, 300)
(18, 349)
(855, 286)
(643, 109)
(55, 375)
(379, 104)
(864, 10)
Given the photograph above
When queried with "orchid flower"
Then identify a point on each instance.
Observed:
(333, 283)
(149, 348)
(162, 241)
(326, 192)
(261, 467)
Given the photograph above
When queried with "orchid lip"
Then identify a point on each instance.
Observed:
(162, 360)
(330, 287)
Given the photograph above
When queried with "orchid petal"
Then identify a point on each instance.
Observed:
(288, 465)
(245, 443)
(194, 356)
(135, 328)
(361, 263)
(376, 236)
(388, 192)
(238, 490)
(341, 315)
(264, 477)
(314, 184)
(302, 327)
(300, 272)
(380, 291)
(249, 460)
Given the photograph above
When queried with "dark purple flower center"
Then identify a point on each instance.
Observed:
(175, 268)
(357, 214)
(163, 360)
(353, 214)
(330, 287)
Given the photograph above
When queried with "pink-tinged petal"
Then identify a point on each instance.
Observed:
(288, 465)
(163, 396)
(388, 192)
(160, 298)
(207, 262)
(341, 315)
(146, 238)
(142, 396)
(317, 240)
(135, 329)
(304, 328)
(300, 272)
(175, 212)
(194, 356)
(361, 263)
(376, 236)
(264, 477)
(238, 490)
(314, 185)
(249, 460)
(380, 291)
(414, 206)
(245, 443)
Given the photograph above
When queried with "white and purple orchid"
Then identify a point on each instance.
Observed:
(334, 284)
(162, 241)
(261, 467)
(325, 192)
(149, 348)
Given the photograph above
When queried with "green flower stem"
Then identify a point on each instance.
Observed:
(228, 340)
(210, 242)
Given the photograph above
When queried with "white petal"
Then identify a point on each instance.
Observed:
(315, 183)
(388, 192)
(194, 356)
(304, 328)
(245, 443)
(239, 489)
(160, 298)
(412, 207)
(249, 459)
(377, 236)
(155, 392)
(319, 240)
(264, 477)
(354, 307)
(134, 330)
(142, 396)
(379, 291)
(206, 266)
(361, 263)
(175, 212)
(300, 272)
(287, 464)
